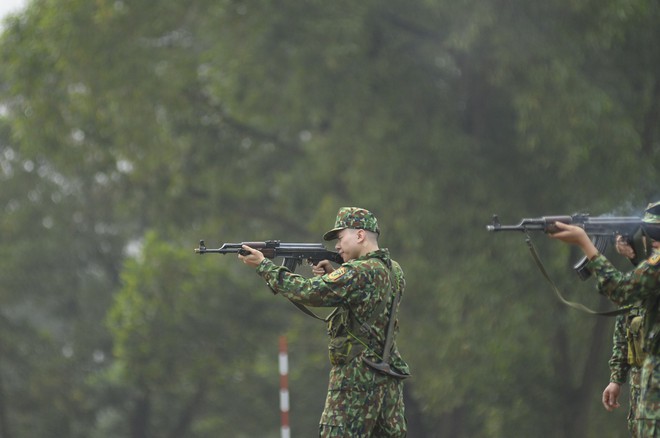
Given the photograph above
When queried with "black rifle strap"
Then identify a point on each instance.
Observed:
(572, 304)
(389, 334)
(366, 327)
(307, 311)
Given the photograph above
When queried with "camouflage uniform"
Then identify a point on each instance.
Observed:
(623, 367)
(361, 402)
(641, 284)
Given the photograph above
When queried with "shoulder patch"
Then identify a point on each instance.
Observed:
(337, 274)
(655, 259)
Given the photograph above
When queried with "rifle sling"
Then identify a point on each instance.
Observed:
(561, 298)
(306, 311)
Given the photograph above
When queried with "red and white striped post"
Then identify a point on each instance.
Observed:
(284, 388)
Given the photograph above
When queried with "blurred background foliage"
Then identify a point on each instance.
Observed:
(130, 130)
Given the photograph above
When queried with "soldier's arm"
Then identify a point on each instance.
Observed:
(618, 362)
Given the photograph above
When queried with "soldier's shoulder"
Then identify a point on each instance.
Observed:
(361, 264)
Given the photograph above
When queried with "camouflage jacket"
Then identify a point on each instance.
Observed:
(640, 284)
(358, 285)
(619, 362)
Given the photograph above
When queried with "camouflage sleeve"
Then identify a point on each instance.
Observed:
(324, 291)
(618, 363)
(400, 278)
(630, 287)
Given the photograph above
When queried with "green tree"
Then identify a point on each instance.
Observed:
(131, 130)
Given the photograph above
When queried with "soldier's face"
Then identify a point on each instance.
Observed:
(348, 244)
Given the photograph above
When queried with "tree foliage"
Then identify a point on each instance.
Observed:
(130, 130)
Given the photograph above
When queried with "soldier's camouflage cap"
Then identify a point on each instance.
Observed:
(652, 213)
(651, 220)
(353, 217)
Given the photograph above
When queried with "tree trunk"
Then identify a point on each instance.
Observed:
(4, 418)
(139, 421)
(189, 411)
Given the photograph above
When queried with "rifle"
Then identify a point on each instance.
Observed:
(292, 253)
(602, 230)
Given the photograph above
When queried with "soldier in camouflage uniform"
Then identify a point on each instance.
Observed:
(641, 284)
(624, 366)
(361, 401)
(626, 360)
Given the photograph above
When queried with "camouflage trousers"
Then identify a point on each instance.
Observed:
(362, 403)
(634, 379)
(648, 412)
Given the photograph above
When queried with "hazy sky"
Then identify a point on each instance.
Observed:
(7, 6)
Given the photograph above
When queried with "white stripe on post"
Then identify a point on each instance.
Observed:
(284, 388)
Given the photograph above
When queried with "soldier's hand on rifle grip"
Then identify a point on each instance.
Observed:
(322, 268)
(624, 248)
(252, 258)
